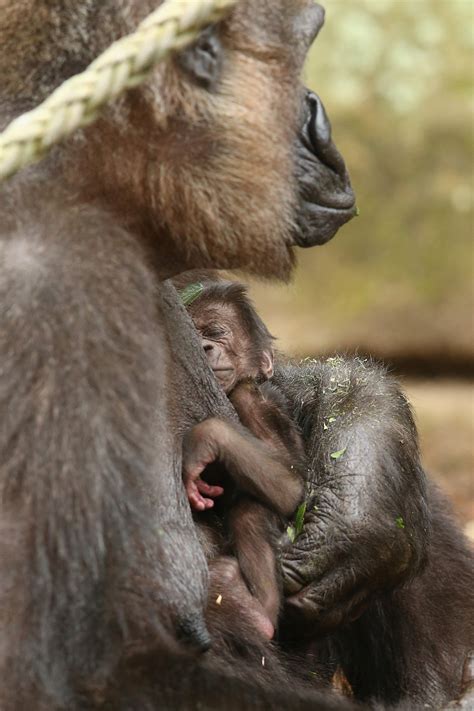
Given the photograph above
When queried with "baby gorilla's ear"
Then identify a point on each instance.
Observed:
(266, 366)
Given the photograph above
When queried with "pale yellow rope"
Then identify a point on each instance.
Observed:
(125, 64)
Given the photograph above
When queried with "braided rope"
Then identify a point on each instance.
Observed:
(125, 64)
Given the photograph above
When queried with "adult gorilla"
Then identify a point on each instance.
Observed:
(221, 159)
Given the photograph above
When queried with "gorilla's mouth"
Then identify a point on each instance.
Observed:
(327, 200)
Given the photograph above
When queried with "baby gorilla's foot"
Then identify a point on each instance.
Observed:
(228, 589)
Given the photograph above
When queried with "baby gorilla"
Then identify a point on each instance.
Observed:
(261, 459)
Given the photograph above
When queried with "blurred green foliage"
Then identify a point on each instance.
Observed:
(396, 80)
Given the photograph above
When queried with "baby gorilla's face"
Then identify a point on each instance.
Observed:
(231, 351)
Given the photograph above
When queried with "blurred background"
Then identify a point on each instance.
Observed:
(396, 77)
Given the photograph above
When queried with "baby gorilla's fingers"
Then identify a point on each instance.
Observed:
(196, 501)
(194, 490)
(208, 489)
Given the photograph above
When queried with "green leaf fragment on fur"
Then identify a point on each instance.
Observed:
(191, 293)
(400, 522)
(338, 455)
(299, 519)
(294, 531)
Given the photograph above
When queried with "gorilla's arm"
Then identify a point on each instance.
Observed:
(366, 523)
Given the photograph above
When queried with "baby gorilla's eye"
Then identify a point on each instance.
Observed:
(213, 333)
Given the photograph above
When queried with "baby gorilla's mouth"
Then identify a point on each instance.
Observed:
(225, 377)
(223, 374)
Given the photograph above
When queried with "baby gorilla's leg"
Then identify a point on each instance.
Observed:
(229, 596)
(253, 527)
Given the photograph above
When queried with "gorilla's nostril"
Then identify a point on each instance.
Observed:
(317, 134)
(319, 128)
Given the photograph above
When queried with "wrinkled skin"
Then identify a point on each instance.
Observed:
(359, 495)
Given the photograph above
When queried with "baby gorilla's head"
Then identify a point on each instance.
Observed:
(237, 343)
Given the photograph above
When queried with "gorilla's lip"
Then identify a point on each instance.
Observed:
(222, 370)
(327, 199)
(319, 223)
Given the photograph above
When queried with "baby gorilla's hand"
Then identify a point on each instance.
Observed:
(245, 397)
(200, 448)
(196, 488)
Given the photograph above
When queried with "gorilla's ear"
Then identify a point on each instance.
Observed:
(266, 367)
(202, 61)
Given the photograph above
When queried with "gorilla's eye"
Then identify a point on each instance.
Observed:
(202, 61)
(208, 46)
(213, 333)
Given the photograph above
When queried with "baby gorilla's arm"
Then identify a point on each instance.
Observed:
(256, 467)
(263, 410)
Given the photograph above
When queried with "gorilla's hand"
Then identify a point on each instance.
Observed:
(366, 522)
(335, 565)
